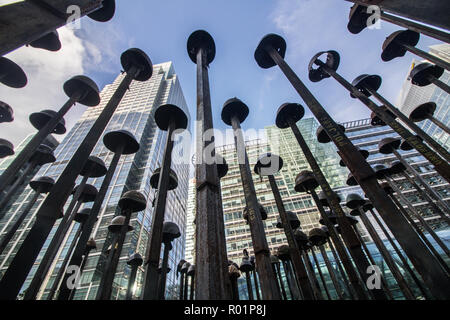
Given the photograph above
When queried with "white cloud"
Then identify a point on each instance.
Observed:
(46, 71)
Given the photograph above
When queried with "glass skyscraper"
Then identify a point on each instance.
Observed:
(135, 114)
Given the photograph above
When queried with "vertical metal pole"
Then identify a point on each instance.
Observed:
(53, 247)
(424, 262)
(186, 287)
(417, 176)
(336, 285)
(131, 282)
(151, 276)
(249, 285)
(63, 266)
(83, 264)
(162, 278)
(373, 263)
(255, 281)
(341, 270)
(278, 273)
(80, 249)
(299, 267)
(324, 283)
(312, 276)
(211, 280)
(182, 286)
(400, 255)
(10, 234)
(260, 246)
(403, 285)
(293, 287)
(49, 210)
(418, 216)
(191, 289)
(421, 234)
(109, 272)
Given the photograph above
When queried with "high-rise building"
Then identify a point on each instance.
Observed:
(135, 114)
(411, 96)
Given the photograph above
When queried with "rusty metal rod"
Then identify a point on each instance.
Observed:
(441, 165)
(299, 267)
(312, 275)
(333, 277)
(260, 245)
(349, 238)
(324, 282)
(422, 181)
(417, 215)
(77, 257)
(401, 256)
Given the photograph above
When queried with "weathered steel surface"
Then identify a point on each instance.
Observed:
(432, 12)
(424, 262)
(211, 273)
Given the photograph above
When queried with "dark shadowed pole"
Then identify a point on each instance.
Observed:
(181, 272)
(399, 42)
(384, 172)
(138, 67)
(397, 250)
(355, 202)
(43, 18)
(360, 16)
(390, 191)
(319, 237)
(119, 142)
(82, 193)
(370, 257)
(319, 269)
(268, 165)
(233, 271)
(287, 116)
(276, 268)
(246, 267)
(426, 73)
(283, 253)
(81, 218)
(42, 155)
(186, 267)
(426, 111)
(191, 274)
(134, 261)
(170, 232)
(40, 186)
(212, 281)
(366, 85)
(234, 112)
(255, 278)
(303, 243)
(168, 118)
(79, 89)
(391, 145)
(433, 12)
(131, 202)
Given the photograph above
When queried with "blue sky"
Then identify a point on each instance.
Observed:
(161, 29)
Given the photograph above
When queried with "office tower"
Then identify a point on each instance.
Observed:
(135, 114)
(411, 96)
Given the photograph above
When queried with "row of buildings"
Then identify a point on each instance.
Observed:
(134, 171)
